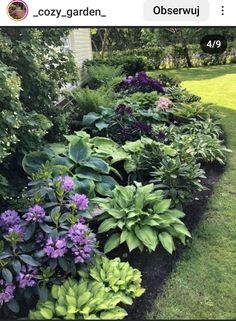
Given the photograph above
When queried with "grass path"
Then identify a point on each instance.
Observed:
(203, 284)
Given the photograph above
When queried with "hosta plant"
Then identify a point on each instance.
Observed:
(140, 217)
(75, 300)
(202, 147)
(118, 277)
(178, 179)
(78, 159)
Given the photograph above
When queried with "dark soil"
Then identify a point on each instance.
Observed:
(157, 266)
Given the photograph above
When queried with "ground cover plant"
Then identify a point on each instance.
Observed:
(116, 183)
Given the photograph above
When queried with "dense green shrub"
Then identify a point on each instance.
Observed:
(99, 75)
(96, 296)
(141, 100)
(89, 100)
(130, 64)
(44, 65)
(141, 218)
(178, 179)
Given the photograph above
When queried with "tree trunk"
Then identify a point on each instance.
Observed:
(185, 50)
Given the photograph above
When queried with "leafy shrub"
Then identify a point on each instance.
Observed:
(130, 64)
(180, 95)
(90, 172)
(141, 100)
(140, 82)
(46, 244)
(121, 124)
(75, 300)
(203, 148)
(144, 155)
(101, 74)
(178, 179)
(168, 81)
(44, 66)
(96, 296)
(185, 112)
(141, 218)
(117, 277)
(207, 126)
(89, 100)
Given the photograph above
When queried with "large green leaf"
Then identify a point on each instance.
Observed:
(132, 241)
(162, 206)
(97, 164)
(107, 225)
(106, 185)
(62, 161)
(85, 186)
(114, 314)
(90, 118)
(182, 229)
(167, 242)
(28, 260)
(89, 173)
(34, 161)
(112, 243)
(79, 150)
(147, 236)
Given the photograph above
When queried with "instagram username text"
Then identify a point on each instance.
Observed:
(69, 13)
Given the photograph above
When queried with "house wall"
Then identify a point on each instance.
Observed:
(80, 44)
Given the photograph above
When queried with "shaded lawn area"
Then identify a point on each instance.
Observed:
(203, 284)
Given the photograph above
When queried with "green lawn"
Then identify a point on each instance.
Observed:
(203, 284)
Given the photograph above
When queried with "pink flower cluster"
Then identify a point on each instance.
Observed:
(163, 103)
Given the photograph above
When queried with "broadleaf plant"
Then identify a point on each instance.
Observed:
(140, 217)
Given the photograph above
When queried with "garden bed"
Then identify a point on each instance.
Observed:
(157, 266)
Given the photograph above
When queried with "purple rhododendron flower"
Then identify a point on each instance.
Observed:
(27, 276)
(35, 214)
(6, 292)
(55, 248)
(67, 183)
(81, 201)
(16, 231)
(9, 219)
(163, 103)
(83, 242)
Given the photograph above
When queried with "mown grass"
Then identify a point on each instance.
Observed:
(203, 284)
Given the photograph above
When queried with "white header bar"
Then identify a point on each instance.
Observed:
(120, 13)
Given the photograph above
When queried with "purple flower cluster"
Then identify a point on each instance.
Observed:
(8, 219)
(141, 82)
(55, 248)
(67, 183)
(82, 242)
(6, 292)
(35, 214)
(27, 277)
(124, 110)
(80, 201)
(143, 127)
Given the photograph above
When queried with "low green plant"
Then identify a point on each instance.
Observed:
(178, 179)
(79, 159)
(140, 217)
(89, 100)
(207, 127)
(117, 277)
(144, 155)
(180, 95)
(141, 100)
(202, 147)
(184, 112)
(99, 75)
(75, 300)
